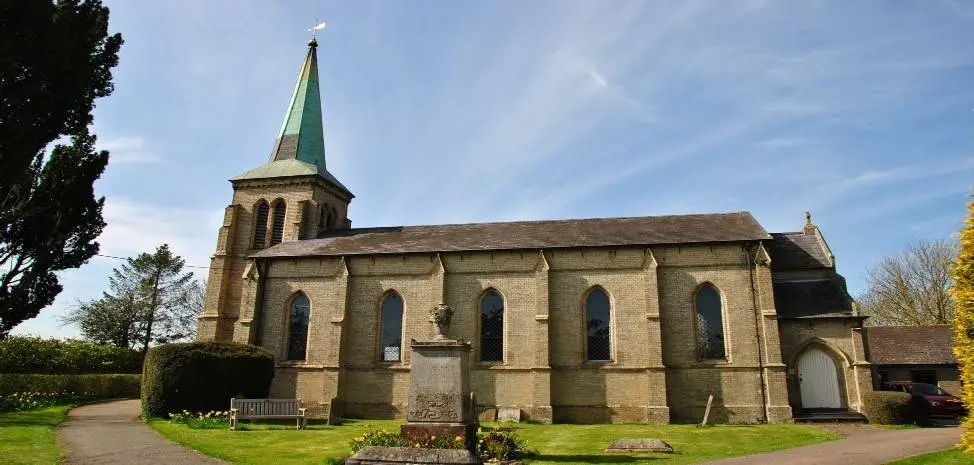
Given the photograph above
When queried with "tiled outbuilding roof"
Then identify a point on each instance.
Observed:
(796, 251)
(596, 232)
(911, 345)
(812, 298)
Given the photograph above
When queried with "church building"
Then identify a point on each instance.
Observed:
(636, 319)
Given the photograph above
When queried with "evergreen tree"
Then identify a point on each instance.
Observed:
(55, 60)
(151, 300)
(963, 294)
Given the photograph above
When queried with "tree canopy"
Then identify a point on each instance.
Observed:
(55, 60)
(911, 288)
(151, 300)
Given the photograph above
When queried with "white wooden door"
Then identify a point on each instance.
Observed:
(819, 380)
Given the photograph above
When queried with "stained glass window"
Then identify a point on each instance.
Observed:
(390, 342)
(492, 327)
(710, 324)
(597, 317)
(297, 343)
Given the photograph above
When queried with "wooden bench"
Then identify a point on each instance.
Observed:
(243, 409)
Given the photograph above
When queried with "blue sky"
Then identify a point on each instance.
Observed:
(440, 111)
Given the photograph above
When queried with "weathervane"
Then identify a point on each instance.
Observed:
(315, 28)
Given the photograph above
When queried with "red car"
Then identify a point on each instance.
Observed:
(930, 399)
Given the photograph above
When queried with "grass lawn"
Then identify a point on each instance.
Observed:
(945, 457)
(555, 444)
(28, 437)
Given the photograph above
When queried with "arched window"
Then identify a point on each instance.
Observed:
(330, 221)
(297, 339)
(598, 324)
(492, 327)
(390, 341)
(710, 324)
(260, 224)
(277, 229)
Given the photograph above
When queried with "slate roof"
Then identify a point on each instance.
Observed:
(596, 232)
(911, 345)
(797, 251)
(826, 297)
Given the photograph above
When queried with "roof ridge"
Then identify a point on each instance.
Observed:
(602, 218)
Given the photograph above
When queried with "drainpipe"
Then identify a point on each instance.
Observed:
(758, 331)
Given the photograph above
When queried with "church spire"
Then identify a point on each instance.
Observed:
(301, 137)
(299, 149)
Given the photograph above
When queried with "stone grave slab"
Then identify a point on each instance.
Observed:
(639, 445)
(508, 414)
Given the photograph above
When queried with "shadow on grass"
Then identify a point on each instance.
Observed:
(592, 458)
(44, 417)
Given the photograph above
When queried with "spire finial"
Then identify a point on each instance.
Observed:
(315, 27)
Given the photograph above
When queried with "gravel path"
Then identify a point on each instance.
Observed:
(112, 433)
(863, 445)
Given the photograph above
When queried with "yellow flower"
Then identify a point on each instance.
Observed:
(458, 439)
(433, 437)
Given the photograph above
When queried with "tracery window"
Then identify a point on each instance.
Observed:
(260, 224)
(710, 324)
(297, 340)
(492, 327)
(599, 326)
(277, 229)
(390, 340)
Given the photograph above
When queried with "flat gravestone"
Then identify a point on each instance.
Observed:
(639, 445)
(509, 414)
(374, 455)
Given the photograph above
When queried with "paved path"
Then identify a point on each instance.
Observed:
(112, 433)
(863, 445)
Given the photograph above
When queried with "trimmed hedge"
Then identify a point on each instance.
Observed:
(887, 408)
(86, 387)
(203, 376)
(34, 355)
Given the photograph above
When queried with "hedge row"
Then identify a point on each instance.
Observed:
(33, 355)
(86, 387)
(203, 376)
(887, 407)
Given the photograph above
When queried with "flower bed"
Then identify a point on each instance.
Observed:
(493, 444)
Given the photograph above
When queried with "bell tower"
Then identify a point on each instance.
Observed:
(290, 198)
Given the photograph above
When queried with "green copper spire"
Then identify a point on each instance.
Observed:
(300, 146)
(301, 137)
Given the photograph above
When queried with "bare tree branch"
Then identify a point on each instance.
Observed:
(911, 288)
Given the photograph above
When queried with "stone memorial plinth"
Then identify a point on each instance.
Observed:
(439, 387)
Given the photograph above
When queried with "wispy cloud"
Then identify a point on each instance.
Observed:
(128, 150)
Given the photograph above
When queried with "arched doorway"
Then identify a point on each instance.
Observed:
(819, 379)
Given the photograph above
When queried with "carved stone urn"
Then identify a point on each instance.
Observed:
(441, 315)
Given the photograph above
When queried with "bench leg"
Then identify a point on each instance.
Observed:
(233, 422)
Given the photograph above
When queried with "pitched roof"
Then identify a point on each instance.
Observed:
(596, 232)
(911, 345)
(797, 250)
(811, 298)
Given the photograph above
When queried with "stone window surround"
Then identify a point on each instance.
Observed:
(726, 359)
(583, 322)
(286, 343)
(377, 343)
(477, 304)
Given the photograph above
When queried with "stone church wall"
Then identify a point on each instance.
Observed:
(841, 338)
(654, 375)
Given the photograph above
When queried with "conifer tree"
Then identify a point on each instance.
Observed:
(963, 294)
